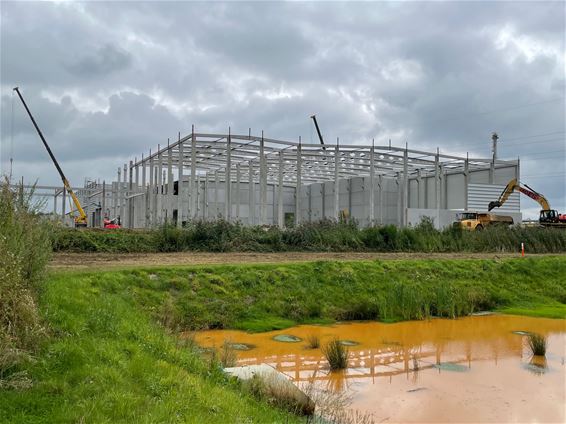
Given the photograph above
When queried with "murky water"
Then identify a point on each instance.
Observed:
(474, 369)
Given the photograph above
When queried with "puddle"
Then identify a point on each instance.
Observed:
(473, 369)
(348, 343)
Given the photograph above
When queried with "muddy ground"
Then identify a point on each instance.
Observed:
(119, 260)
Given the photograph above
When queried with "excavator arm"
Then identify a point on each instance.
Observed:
(514, 185)
(81, 220)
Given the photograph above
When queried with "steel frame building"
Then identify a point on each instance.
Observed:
(262, 181)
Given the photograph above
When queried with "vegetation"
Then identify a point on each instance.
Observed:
(336, 354)
(24, 251)
(313, 341)
(107, 360)
(221, 236)
(537, 344)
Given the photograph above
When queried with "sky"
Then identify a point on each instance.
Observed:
(107, 81)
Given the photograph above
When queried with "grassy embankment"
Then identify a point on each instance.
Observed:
(220, 236)
(110, 359)
(73, 350)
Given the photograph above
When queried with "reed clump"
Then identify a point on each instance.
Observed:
(537, 344)
(336, 354)
(313, 341)
(228, 356)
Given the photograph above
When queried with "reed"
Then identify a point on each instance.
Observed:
(336, 354)
(537, 344)
(313, 341)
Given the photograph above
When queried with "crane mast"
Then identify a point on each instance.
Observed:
(81, 220)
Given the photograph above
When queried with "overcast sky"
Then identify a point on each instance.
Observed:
(107, 81)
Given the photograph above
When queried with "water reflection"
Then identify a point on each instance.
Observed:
(432, 367)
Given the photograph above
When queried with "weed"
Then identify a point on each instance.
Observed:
(313, 341)
(537, 344)
(336, 354)
(24, 252)
(228, 356)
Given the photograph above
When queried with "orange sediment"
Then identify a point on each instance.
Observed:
(473, 369)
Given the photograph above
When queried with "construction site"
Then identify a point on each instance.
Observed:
(257, 180)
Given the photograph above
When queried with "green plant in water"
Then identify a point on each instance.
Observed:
(313, 341)
(537, 344)
(228, 356)
(336, 354)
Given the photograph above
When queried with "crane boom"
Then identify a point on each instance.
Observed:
(81, 220)
(318, 131)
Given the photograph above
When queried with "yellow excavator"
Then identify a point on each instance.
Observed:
(548, 217)
(81, 219)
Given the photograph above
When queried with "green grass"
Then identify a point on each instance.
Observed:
(221, 236)
(109, 358)
(107, 361)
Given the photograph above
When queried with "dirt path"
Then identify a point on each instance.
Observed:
(126, 260)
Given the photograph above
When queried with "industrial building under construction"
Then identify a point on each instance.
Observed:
(262, 181)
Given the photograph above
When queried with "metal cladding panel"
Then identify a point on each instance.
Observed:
(456, 194)
(504, 175)
(479, 196)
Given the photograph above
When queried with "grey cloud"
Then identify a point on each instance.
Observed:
(429, 70)
(104, 60)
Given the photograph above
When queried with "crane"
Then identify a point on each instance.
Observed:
(548, 216)
(313, 117)
(81, 220)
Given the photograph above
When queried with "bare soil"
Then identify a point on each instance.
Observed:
(128, 260)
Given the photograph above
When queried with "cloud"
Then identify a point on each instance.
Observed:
(107, 81)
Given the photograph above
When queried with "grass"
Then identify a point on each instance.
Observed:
(326, 235)
(109, 357)
(537, 344)
(109, 361)
(24, 250)
(336, 354)
(313, 341)
(267, 297)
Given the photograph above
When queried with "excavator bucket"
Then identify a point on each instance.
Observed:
(494, 204)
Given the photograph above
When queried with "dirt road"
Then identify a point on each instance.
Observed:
(123, 260)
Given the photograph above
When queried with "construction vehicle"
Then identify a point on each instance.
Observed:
(477, 221)
(81, 219)
(548, 217)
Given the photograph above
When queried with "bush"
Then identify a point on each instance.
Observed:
(324, 235)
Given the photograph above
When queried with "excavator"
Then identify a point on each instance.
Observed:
(548, 217)
(81, 219)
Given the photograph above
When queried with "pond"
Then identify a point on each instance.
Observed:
(473, 369)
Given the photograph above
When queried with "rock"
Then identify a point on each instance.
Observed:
(275, 385)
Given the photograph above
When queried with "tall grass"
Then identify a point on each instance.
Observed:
(325, 235)
(24, 251)
(336, 354)
(537, 344)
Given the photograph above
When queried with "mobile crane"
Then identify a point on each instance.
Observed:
(548, 217)
(81, 219)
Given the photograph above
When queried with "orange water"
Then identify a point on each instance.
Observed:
(485, 372)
